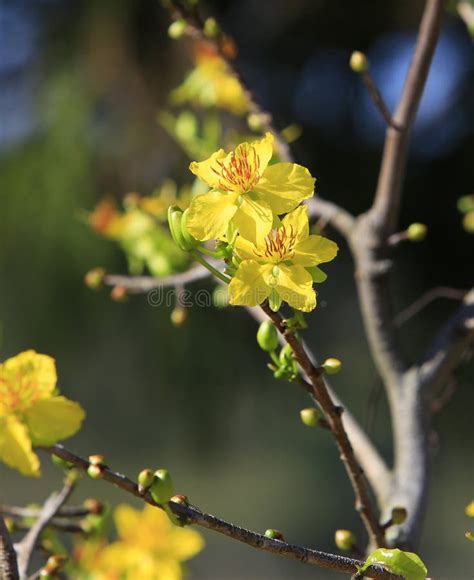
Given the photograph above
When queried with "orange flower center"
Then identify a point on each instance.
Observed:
(279, 244)
(241, 173)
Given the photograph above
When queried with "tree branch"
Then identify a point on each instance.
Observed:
(196, 516)
(333, 413)
(8, 560)
(50, 508)
(385, 210)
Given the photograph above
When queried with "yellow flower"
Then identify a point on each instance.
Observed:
(278, 263)
(211, 84)
(31, 412)
(245, 191)
(470, 509)
(149, 547)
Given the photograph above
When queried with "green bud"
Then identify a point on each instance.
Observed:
(416, 232)
(175, 216)
(61, 463)
(94, 278)
(145, 480)
(179, 315)
(254, 121)
(162, 487)
(399, 515)
(177, 29)
(344, 539)
(279, 373)
(466, 203)
(286, 355)
(188, 238)
(468, 222)
(267, 336)
(359, 62)
(331, 366)
(211, 28)
(95, 471)
(274, 534)
(469, 536)
(310, 416)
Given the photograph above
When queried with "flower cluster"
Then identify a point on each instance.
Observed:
(149, 547)
(253, 212)
(31, 410)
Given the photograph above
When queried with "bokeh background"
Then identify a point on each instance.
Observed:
(81, 83)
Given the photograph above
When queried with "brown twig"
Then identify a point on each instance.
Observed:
(333, 413)
(8, 559)
(50, 508)
(378, 99)
(196, 516)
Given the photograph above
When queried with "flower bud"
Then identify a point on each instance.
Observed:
(188, 238)
(95, 471)
(331, 366)
(254, 121)
(416, 232)
(344, 539)
(54, 563)
(181, 499)
(177, 28)
(96, 459)
(267, 336)
(178, 316)
(469, 509)
(466, 203)
(211, 28)
(469, 536)
(93, 505)
(399, 515)
(162, 487)
(118, 294)
(61, 463)
(45, 575)
(359, 62)
(274, 534)
(94, 278)
(175, 216)
(468, 222)
(310, 416)
(145, 480)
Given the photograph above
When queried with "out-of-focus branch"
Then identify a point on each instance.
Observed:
(448, 347)
(196, 516)
(427, 298)
(385, 210)
(337, 217)
(8, 560)
(50, 508)
(333, 413)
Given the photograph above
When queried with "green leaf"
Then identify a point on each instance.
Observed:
(406, 564)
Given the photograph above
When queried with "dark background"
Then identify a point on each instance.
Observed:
(80, 87)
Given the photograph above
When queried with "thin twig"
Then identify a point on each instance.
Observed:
(427, 298)
(50, 508)
(8, 558)
(333, 413)
(15, 511)
(378, 99)
(196, 516)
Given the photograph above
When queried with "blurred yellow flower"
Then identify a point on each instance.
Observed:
(211, 84)
(149, 547)
(470, 509)
(246, 191)
(278, 264)
(31, 411)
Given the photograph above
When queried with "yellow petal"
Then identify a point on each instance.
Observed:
(264, 150)
(29, 374)
(183, 544)
(15, 447)
(284, 185)
(50, 420)
(210, 213)
(253, 219)
(296, 222)
(315, 250)
(295, 286)
(209, 169)
(248, 287)
(127, 521)
(246, 250)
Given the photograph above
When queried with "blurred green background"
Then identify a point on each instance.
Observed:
(81, 85)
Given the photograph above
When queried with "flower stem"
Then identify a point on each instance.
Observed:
(211, 269)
